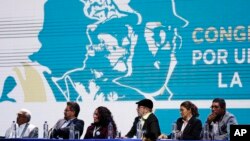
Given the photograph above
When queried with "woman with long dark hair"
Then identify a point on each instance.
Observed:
(99, 128)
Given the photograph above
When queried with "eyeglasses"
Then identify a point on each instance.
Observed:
(216, 107)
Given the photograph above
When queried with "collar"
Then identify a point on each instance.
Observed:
(146, 116)
(187, 120)
(22, 125)
(70, 119)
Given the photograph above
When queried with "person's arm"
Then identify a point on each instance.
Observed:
(154, 127)
(54, 131)
(89, 133)
(163, 136)
(195, 133)
(8, 133)
(34, 133)
(220, 137)
(79, 125)
(64, 132)
(132, 131)
(231, 121)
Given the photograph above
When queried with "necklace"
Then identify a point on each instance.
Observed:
(95, 131)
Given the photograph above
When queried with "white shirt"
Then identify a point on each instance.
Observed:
(67, 123)
(19, 131)
(216, 128)
(142, 120)
(185, 122)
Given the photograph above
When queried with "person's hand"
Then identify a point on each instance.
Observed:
(211, 117)
(123, 137)
(163, 136)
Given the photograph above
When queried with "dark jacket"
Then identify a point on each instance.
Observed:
(58, 132)
(193, 129)
(101, 132)
(151, 125)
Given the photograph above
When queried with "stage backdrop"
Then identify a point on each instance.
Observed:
(115, 52)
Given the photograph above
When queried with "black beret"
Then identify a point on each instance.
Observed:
(145, 102)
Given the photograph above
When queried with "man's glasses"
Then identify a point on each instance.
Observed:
(216, 107)
(140, 107)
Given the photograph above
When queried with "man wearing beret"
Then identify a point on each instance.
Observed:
(145, 120)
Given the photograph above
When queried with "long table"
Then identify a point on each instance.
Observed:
(40, 139)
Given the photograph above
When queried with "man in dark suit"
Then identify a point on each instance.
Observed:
(146, 120)
(62, 127)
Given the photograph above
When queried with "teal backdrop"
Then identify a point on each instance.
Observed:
(127, 50)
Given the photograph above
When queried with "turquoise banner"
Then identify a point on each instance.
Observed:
(127, 50)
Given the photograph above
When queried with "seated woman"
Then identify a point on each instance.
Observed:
(189, 127)
(99, 128)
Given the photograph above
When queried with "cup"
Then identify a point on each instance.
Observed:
(118, 134)
(174, 130)
(77, 135)
(178, 134)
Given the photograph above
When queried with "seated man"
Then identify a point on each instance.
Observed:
(24, 128)
(145, 122)
(219, 120)
(61, 128)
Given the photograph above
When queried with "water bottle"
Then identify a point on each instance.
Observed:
(228, 131)
(110, 131)
(13, 130)
(45, 130)
(139, 130)
(174, 128)
(71, 131)
(118, 134)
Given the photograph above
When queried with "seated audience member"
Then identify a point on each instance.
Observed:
(188, 127)
(218, 120)
(99, 128)
(146, 119)
(61, 128)
(24, 129)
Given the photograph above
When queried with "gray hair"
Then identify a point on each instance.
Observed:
(27, 113)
